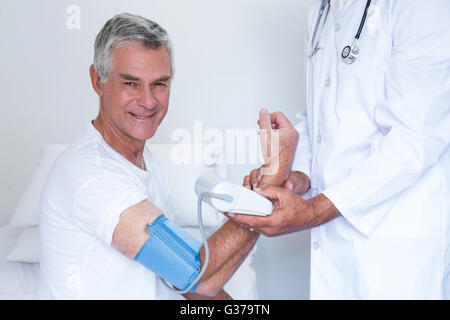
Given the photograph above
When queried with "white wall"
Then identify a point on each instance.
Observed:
(232, 57)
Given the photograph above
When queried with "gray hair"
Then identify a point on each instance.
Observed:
(123, 28)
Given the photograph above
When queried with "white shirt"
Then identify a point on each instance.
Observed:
(89, 186)
(374, 139)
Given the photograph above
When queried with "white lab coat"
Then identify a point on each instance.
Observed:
(374, 138)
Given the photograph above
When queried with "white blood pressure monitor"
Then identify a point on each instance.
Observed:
(236, 198)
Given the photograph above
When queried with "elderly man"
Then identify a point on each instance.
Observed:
(107, 188)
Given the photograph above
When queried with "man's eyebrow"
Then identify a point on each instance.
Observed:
(133, 78)
(163, 78)
(128, 77)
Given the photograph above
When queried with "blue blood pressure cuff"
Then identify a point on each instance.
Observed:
(171, 253)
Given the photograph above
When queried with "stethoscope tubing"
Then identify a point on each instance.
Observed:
(316, 41)
(363, 20)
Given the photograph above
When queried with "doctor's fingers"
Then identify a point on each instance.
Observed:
(247, 221)
(251, 181)
(289, 184)
(273, 193)
(295, 182)
(255, 177)
(246, 183)
(269, 226)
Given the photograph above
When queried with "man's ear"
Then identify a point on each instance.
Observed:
(96, 81)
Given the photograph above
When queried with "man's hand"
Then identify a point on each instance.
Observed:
(297, 181)
(292, 213)
(279, 140)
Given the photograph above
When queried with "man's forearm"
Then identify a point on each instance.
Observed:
(282, 164)
(228, 247)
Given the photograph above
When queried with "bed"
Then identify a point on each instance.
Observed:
(19, 239)
(18, 280)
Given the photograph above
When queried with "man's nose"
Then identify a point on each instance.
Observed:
(146, 98)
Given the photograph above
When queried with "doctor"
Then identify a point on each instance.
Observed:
(373, 158)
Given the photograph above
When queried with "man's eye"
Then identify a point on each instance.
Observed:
(160, 84)
(131, 84)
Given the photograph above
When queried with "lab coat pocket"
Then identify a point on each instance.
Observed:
(362, 84)
(364, 79)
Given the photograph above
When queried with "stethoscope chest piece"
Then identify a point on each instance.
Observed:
(350, 53)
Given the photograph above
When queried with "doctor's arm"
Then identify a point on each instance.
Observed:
(414, 121)
(228, 246)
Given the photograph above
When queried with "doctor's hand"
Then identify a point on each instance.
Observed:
(292, 213)
(279, 140)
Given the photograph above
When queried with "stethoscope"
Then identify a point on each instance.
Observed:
(349, 53)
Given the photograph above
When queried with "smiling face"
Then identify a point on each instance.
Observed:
(135, 97)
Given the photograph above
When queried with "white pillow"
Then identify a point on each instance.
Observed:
(8, 237)
(27, 211)
(27, 247)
